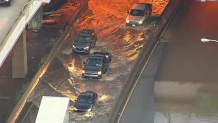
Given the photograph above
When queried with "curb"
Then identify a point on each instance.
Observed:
(143, 56)
(19, 106)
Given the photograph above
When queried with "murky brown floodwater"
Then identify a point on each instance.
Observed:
(107, 18)
(186, 89)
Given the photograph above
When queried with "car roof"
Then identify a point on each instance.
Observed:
(97, 56)
(139, 6)
(87, 31)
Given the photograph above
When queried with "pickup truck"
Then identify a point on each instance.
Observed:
(6, 2)
(96, 65)
(139, 13)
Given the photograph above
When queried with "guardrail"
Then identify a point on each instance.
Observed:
(18, 108)
(17, 29)
(143, 56)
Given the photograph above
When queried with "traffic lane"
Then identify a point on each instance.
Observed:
(140, 107)
(9, 15)
(186, 57)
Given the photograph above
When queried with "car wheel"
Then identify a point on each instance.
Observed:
(105, 71)
(88, 53)
(100, 77)
(93, 108)
(73, 52)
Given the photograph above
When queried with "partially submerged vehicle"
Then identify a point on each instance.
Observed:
(85, 41)
(139, 13)
(96, 65)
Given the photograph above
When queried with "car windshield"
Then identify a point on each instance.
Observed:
(83, 38)
(84, 99)
(94, 62)
(135, 12)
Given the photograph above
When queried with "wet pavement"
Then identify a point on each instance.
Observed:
(124, 43)
(186, 87)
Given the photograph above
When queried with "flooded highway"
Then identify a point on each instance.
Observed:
(186, 87)
(107, 18)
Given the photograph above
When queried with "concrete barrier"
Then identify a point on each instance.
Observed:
(18, 108)
(143, 56)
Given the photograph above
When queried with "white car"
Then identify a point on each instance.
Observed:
(138, 14)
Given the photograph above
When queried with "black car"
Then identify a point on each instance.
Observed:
(86, 101)
(6, 2)
(96, 65)
(84, 41)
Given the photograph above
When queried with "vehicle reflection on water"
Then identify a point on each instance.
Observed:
(186, 102)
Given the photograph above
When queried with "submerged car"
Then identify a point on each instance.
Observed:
(86, 101)
(6, 2)
(138, 14)
(96, 65)
(84, 41)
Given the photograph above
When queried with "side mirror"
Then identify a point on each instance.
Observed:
(127, 12)
(84, 62)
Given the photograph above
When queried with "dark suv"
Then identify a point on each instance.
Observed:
(6, 2)
(96, 65)
(85, 41)
(86, 101)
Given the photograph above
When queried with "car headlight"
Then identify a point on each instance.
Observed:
(99, 73)
(75, 108)
(89, 109)
(74, 46)
(140, 22)
(86, 48)
(83, 71)
(127, 21)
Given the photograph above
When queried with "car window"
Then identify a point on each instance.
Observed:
(84, 99)
(83, 38)
(94, 62)
(135, 12)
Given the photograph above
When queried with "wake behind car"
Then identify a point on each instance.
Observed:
(6, 2)
(138, 14)
(84, 41)
(96, 65)
(86, 101)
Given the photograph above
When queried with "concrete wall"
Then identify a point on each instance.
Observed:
(36, 21)
(19, 58)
